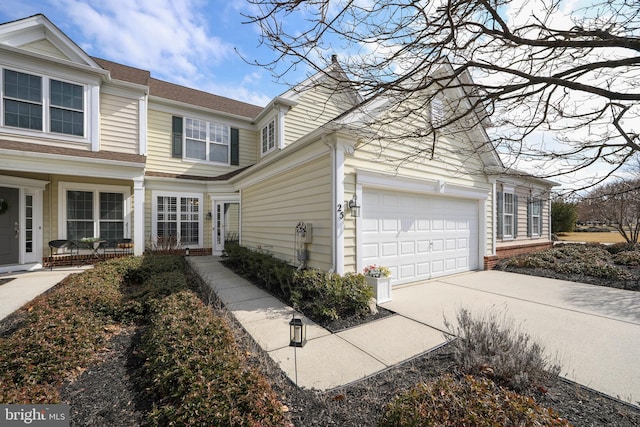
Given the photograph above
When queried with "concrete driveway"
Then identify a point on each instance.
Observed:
(595, 331)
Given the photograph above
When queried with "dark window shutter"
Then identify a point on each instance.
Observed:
(499, 214)
(176, 142)
(235, 147)
(515, 216)
(530, 203)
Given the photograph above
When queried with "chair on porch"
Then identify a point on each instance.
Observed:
(61, 245)
(125, 245)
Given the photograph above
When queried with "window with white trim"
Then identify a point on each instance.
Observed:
(508, 214)
(268, 137)
(536, 217)
(206, 141)
(94, 212)
(177, 219)
(43, 104)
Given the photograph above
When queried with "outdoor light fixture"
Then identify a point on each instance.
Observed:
(354, 206)
(186, 252)
(209, 216)
(297, 333)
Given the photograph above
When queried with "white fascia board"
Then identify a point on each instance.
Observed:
(276, 104)
(66, 165)
(441, 188)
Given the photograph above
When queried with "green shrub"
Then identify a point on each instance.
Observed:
(139, 299)
(196, 373)
(151, 265)
(329, 296)
(492, 346)
(623, 247)
(469, 401)
(260, 268)
(65, 328)
(627, 258)
(320, 295)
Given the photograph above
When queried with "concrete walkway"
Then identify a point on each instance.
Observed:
(595, 331)
(26, 285)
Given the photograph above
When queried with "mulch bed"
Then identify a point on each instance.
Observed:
(106, 394)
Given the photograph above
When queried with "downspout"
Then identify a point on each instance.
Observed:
(334, 213)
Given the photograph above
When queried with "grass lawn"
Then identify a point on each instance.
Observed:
(599, 237)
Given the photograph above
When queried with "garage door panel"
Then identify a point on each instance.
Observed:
(370, 225)
(389, 249)
(419, 237)
(423, 246)
(370, 250)
(407, 248)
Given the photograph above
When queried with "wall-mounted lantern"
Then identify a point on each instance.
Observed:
(297, 332)
(354, 206)
(209, 216)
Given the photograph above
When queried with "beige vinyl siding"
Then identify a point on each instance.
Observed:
(272, 208)
(159, 158)
(44, 47)
(315, 107)
(119, 124)
(454, 163)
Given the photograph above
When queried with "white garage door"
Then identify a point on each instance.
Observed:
(419, 237)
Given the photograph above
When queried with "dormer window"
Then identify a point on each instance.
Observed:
(30, 101)
(268, 137)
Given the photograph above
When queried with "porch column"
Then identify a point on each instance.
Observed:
(138, 215)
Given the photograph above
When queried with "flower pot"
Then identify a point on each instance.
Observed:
(381, 288)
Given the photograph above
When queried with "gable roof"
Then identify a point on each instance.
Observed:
(174, 92)
(26, 32)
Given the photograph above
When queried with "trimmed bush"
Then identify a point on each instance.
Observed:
(196, 373)
(329, 296)
(627, 258)
(492, 346)
(469, 401)
(319, 295)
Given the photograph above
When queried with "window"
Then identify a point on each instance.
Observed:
(508, 214)
(86, 219)
(22, 100)
(268, 136)
(206, 141)
(94, 212)
(535, 217)
(26, 104)
(66, 108)
(177, 220)
(437, 111)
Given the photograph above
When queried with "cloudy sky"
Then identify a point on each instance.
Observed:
(196, 43)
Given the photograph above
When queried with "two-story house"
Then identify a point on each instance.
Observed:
(92, 148)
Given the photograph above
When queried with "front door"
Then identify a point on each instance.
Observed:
(227, 224)
(9, 226)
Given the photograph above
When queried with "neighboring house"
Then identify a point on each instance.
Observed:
(89, 147)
